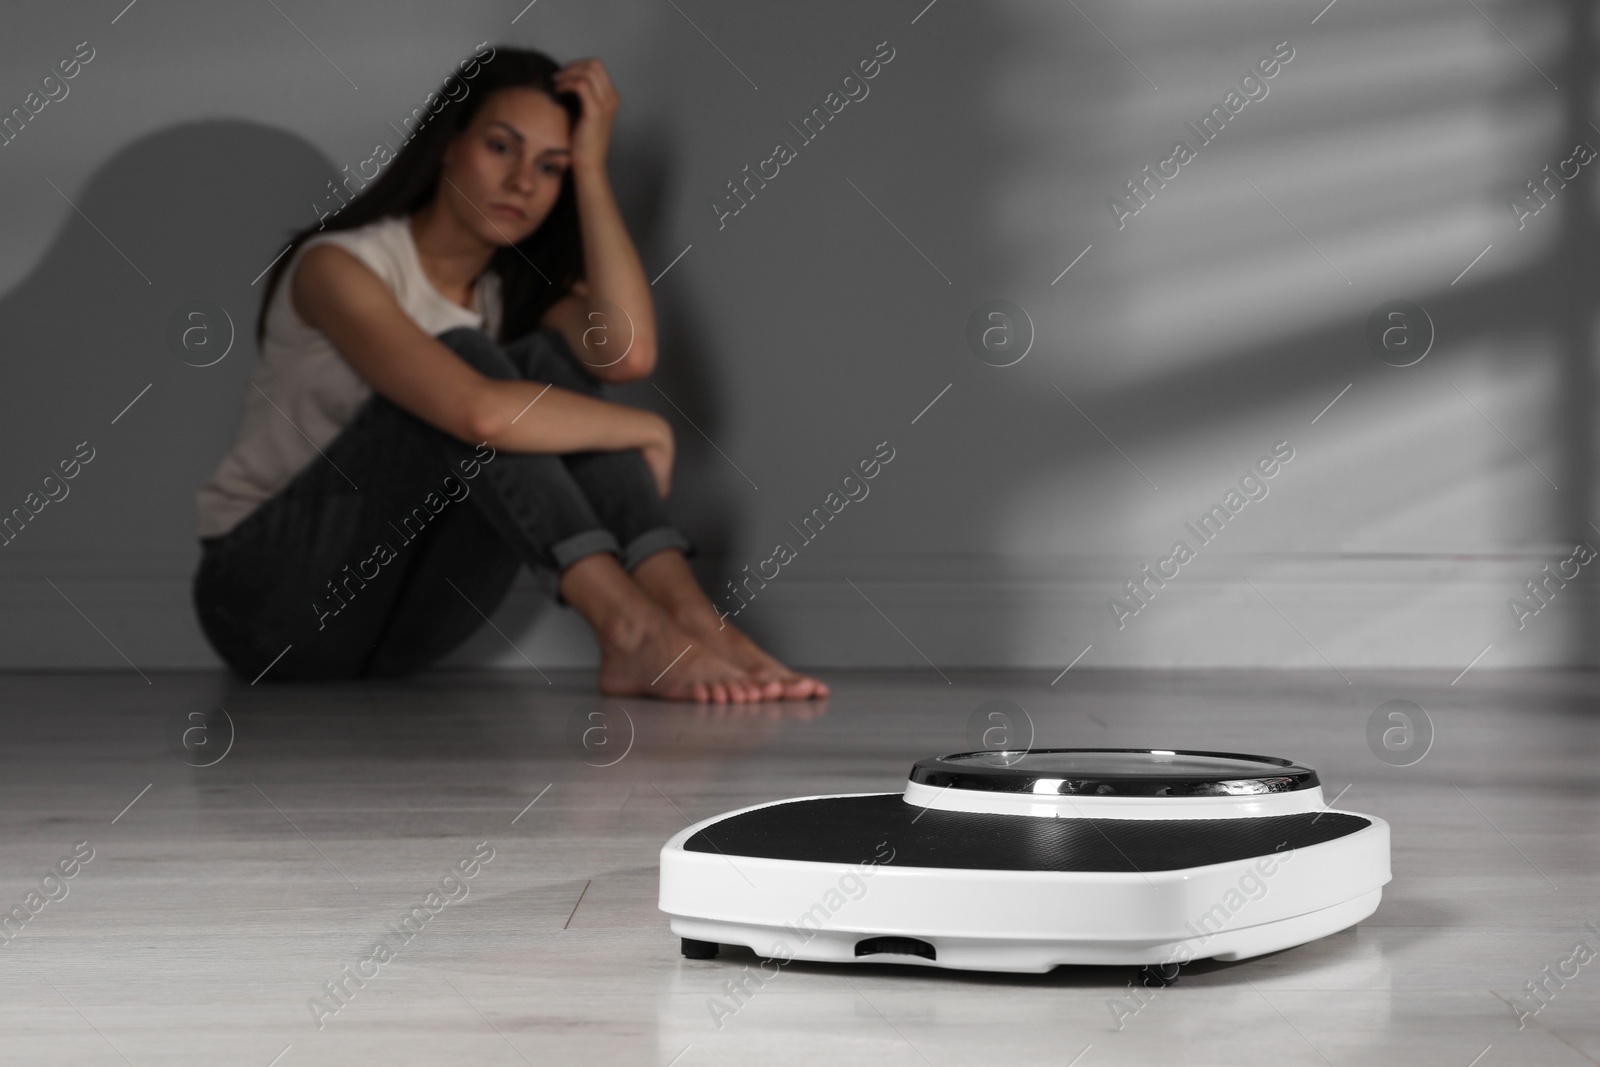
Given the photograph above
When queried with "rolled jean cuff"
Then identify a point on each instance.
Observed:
(587, 543)
(652, 541)
(575, 548)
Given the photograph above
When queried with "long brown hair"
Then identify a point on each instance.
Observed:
(536, 271)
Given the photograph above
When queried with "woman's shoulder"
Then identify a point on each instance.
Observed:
(379, 244)
(387, 248)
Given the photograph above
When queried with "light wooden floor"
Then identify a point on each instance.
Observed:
(217, 905)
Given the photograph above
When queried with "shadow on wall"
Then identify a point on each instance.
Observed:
(195, 211)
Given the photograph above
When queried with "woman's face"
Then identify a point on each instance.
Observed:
(504, 171)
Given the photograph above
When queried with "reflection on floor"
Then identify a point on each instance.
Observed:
(462, 869)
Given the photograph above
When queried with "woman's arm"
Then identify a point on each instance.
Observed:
(335, 292)
(614, 273)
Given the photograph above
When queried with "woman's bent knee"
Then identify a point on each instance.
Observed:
(546, 356)
(479, 351)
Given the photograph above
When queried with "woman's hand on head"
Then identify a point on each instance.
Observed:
(588, 81)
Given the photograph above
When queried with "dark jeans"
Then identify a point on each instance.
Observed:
(394, 546)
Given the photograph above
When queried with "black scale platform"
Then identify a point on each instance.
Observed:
(855, 829)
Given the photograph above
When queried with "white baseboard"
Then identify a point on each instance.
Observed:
(1302, 611)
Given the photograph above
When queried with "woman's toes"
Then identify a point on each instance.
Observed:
(795, 687)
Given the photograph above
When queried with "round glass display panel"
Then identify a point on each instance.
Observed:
(1127, 772)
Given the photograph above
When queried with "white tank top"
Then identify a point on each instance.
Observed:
(313, 391)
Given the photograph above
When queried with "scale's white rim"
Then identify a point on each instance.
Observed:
(1032, 955)
(1076, 806)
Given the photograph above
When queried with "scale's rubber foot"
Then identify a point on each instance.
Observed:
(1157, 975)
(699, 950)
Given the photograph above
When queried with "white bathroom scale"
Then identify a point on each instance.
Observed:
(1021, 861)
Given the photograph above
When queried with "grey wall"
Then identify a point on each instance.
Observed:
(831, 312)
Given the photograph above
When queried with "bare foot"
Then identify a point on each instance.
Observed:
(646, 654)
(777, 681)
(666, 578)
